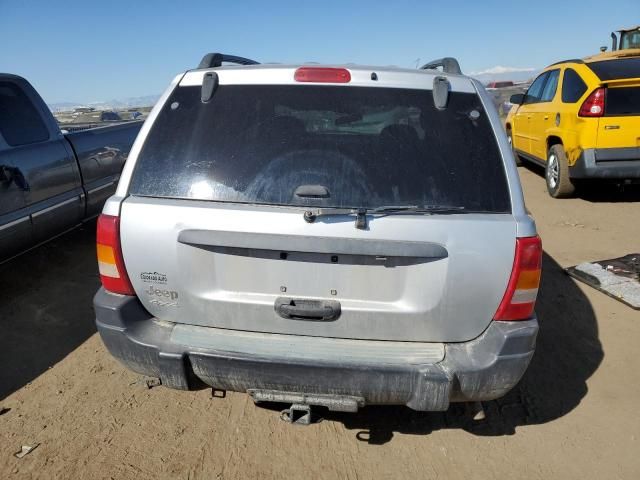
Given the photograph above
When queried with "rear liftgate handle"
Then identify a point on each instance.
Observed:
(305, 309)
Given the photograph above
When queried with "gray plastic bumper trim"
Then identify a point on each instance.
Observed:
(607, 163)
(482, 369)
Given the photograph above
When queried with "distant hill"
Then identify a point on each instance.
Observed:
(115, 104)
(500, 73)
(63, 106)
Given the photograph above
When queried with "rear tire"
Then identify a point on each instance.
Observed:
(515, 154)
(559, 184)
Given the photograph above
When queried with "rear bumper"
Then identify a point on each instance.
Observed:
(482, 369)
(607, 163)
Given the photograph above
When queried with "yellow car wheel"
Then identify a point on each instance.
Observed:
(559, 184)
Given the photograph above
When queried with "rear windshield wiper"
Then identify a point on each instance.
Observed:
(361, 213)
(417, 209)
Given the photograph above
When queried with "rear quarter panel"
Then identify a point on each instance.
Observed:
(101, 154)
(525, 225)
(577, 133)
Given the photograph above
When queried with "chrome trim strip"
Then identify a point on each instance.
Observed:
(101, 187)
(53, 207)
(14, 222)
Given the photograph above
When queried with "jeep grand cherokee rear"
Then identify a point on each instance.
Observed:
(322, 235)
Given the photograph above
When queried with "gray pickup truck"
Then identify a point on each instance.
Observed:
(50, 181)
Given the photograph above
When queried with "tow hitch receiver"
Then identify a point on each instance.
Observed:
(298, 414)
(336, 403)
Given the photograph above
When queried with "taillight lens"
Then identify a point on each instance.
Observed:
(520, 298)
(110, 262)
(593, 106)
(322, 75)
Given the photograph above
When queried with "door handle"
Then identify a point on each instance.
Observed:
(546, 117)
(6, 174)
(12, 174)
(305, 309)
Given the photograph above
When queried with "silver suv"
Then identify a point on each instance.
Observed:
(331, 236)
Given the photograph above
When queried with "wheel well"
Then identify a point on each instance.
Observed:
(553, 140)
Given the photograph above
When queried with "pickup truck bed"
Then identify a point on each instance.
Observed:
(51, 182)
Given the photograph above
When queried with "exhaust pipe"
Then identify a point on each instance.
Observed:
(614, 42)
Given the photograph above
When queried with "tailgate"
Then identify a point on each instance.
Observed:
(408, 277)
(620, 127)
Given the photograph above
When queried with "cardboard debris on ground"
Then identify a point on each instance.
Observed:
(25, 450)
(618, 277)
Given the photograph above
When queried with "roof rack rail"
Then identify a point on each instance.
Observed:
(211, 60)
(448, 64)
(571, 60)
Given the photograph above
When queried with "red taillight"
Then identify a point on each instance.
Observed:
(593, 106)
(322, 75)
(520, 298)
(110, 262)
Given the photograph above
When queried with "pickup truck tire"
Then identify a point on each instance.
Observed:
(515, 154)
(559, 184)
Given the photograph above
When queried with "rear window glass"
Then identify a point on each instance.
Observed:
(573, 87)
(20, 122)
(616, 69)
(623, 101)
(369, 147)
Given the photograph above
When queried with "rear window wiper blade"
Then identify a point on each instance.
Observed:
(417, 209)
(361, 213)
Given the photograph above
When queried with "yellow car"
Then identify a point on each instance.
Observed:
(580, 120)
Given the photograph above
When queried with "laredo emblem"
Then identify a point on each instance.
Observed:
(160, 303)
(154, 277)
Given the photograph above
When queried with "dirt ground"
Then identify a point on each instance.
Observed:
(574, 415)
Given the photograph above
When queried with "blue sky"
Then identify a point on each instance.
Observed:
(85, 51)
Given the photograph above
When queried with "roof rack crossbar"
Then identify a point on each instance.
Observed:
(211, 60)
(448, 64)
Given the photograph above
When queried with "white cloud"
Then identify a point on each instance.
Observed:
(499, 69)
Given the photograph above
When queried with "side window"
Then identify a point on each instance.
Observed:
(20, 122)
(630, 40)
(535, 90)
(551, 86)
(573, 87)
